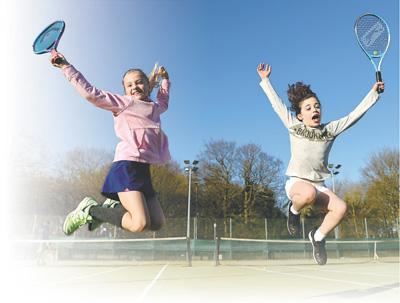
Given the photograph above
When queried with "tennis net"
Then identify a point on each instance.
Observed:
(181, 250)
(258, 250)
(87, 251)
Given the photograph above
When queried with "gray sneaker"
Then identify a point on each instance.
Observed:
(319, 250)
(107, 204)
(79, 216)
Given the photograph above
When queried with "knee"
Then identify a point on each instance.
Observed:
(341, 209)
(308, 197)
(137, 226)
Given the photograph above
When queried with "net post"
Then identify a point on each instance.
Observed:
(376, 257)
(217, 251)
(188, 252)
(367, 236)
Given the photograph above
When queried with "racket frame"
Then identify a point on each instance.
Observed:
(371, 57)
(54, 45)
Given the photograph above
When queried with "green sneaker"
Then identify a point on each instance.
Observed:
(107, 204)
(79, 217)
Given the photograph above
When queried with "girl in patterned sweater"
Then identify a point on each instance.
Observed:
(311, 141)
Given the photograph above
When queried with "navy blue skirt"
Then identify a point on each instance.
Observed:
(128, 176)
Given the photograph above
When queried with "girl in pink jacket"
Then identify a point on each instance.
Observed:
(142, 142)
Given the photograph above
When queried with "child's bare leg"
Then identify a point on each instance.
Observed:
(336, 210)
(137, 218)
(157, 218)
(302, 194)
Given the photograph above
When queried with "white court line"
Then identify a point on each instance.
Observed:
(344, 271)
(318, 278)
(148, 287)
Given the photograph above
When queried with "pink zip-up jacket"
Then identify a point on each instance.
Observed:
(136, 122)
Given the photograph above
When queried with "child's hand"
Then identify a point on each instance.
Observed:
(379, 86)
(264, 70)
(162, 72)
(58, 59)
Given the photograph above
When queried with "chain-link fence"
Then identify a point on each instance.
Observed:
(50, 227)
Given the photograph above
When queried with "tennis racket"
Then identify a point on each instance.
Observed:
(47, 40)
(373, 36)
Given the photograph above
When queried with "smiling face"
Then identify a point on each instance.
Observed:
(310, 112)
(136, 84)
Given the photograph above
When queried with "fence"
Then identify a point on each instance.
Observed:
(49, 227)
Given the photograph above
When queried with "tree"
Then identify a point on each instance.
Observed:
(260, 174)
(171, 187)
(217, 163)
(354, 196)
(381, 176)
(81, 173)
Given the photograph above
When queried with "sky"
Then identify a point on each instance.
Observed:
(211, 49)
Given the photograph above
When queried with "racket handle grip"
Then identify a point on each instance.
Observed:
(58, 60)
(378, 76)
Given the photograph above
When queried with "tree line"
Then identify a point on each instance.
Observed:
(239, 182)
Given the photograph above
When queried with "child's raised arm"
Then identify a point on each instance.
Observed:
(100, 98)
(264, 71)
(338, 126)
(163, 92)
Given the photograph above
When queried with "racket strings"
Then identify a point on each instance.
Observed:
(373, 35)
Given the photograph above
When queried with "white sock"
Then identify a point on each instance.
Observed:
(293, 211)
(318, 236)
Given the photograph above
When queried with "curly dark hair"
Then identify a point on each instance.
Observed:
(299, 92)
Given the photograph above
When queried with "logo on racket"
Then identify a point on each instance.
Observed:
(373, 34)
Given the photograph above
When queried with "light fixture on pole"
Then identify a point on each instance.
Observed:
(333, 169)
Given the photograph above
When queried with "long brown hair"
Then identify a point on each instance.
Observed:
(299, 92)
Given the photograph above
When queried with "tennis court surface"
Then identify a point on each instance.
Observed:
(237, 278)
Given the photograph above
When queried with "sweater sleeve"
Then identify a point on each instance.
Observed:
(277, 103)
(163, 95)
(100, 98)
(338, 126)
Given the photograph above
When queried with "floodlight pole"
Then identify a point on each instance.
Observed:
(189, 168)
(334, 170)
(188, 203)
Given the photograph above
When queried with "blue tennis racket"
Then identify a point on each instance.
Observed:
(373, 36)
(47, 41)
